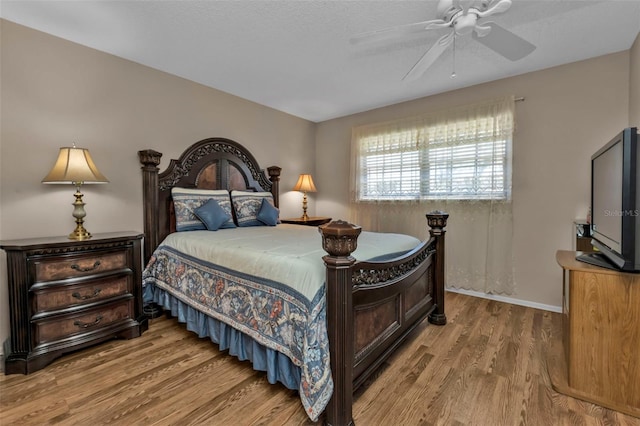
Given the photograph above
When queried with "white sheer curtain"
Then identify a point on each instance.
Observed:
(458, 161)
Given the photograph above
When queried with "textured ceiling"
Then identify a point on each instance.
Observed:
(295, 56)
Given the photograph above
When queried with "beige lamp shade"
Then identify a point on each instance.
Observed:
(305, 184)
(74, 165)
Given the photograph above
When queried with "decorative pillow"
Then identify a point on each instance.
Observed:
(247, 206)
(186, 201)
(212, 215)
(268, 214)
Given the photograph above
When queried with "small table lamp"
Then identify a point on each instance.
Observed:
(75, 166)
(305, 184)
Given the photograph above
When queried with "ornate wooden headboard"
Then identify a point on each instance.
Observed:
(213, 163)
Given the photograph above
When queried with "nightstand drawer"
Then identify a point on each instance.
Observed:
(50, 269)
(57, 297)
(83, 322)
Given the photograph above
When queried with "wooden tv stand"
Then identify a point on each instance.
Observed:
(599, 357)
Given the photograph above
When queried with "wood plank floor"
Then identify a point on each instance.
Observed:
(485, 367)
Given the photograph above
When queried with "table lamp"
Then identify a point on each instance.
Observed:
(305, 184)
(75, 165)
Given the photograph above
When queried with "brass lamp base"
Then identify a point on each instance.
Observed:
(79, 233)
(79, 213)
(304, 206)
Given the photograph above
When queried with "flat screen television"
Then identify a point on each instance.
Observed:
(615, 204)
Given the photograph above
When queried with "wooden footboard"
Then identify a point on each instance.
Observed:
(373, 306)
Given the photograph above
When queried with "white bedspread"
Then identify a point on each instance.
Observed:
(288, 254)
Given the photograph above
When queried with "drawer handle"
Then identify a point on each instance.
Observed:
(91, 268)
(88, 324)
(96, 292)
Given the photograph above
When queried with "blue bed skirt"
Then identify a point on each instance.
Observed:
(278, 367)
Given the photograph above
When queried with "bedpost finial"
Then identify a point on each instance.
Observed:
(339, 238)
(274, 172)
(149, 158)
(437, 221)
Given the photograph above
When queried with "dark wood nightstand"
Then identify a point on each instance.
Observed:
(65, 295)
(311, 221)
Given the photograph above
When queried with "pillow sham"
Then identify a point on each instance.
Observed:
(187, 200)
(267, 213)
(247, 205)
(212, 215)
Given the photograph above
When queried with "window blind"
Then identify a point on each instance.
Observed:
(461, 154)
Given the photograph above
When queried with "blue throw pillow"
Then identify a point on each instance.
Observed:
(268, 214)
(212, 215)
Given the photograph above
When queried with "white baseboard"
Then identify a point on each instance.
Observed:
(520, 302)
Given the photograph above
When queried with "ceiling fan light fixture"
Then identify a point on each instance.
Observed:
(465, 24)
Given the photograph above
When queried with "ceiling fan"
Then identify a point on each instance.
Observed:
(462, 20)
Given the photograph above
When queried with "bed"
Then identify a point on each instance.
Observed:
(322, 321)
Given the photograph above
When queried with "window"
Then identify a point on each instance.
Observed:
(462, 154)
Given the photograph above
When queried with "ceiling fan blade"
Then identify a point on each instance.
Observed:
(429, 57)
(500, 7)
(392, 32)
(505, 42)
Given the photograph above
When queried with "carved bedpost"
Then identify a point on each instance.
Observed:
(437, 221)
(274, 177)
(340, 239)
(150, 160)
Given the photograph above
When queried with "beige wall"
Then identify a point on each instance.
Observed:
(634, 84)
(569, 112)
(55, 93)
